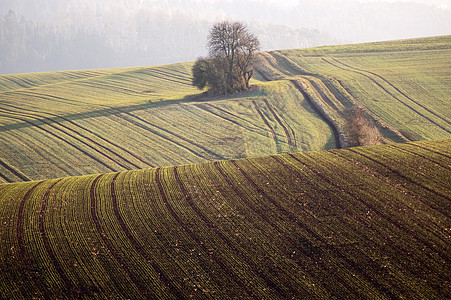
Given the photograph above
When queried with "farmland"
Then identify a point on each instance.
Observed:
(403, 85)
(365, 222)
(84, 122)
(131, 184)
(74, 123)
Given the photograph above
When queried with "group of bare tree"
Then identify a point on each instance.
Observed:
(230, 64)
(360, 129)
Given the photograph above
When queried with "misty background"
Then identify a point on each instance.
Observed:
(51, 35)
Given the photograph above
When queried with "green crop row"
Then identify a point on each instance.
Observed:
(358, 222)
(402, 83)
(67, 132)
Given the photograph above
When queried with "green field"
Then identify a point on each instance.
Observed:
(84, 122)
(404, 85)
(131, 184)
(74, 123)
(365, 222)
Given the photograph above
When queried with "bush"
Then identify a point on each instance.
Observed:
(360, 130)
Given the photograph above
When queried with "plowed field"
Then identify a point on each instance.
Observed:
(367, 222)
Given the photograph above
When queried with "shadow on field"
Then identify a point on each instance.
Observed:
(108, 111)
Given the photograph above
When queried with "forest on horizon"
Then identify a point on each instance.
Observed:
(52, 35)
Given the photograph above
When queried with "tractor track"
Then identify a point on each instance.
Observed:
(33, 112)
(324, 117)
(398, 90)
(360, 72)
(75, 146)
(265, 120)
(276, 117)
(146, 125)
(13, 171)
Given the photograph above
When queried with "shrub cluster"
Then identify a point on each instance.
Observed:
(230, 64)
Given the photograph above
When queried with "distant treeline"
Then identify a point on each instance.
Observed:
(144, 39)
(38, 35)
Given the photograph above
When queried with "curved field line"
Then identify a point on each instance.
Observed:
(93, 148)
(69, 288)
(16, 81)
(394, 185)
(372, 208)
(51, 123)
(262, 116)
(444, 166)
(155, 132)
(299, 223)
(400, 188)
(276, 117)
(261, 131)
(71, 76)
(190, 232)
(223, 237)
(393, 96)
(138, 247)
(14, 171)
(312, 104)
(166, 79)
(5, 178)
(108, 85)
(323, 95)
(262, 74)
(263, 216)
(171, 75)
(170, 133)
(111, 143)
(336, 251)
(202, 106)
(73, 145)
(33, 112)
(22, 83)
(397, 173)
(377, 232)
(45, 97)
(26, 259)
(430, 150)
(397, 89)
(309, 252)
(137, 282)
(177, 71)
(276, 65)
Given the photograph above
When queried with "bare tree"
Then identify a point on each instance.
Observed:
(232, 53)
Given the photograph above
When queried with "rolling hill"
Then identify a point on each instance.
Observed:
(129, 183)
(72, 123)
(112, 120)
(364, 222)
(403, 85)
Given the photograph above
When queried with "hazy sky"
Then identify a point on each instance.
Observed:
(439, 3)
(72, 34)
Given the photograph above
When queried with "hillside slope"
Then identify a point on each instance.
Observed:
(366, 222)
(95, 121)
(402, 85)
(84, 122)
